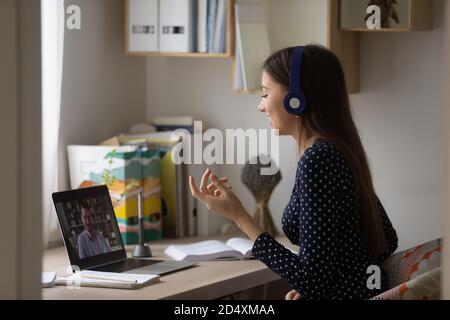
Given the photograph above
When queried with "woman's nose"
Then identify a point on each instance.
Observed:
(261, 107)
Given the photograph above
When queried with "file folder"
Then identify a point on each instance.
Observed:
(143, 25)
(211, 22)
(219, 38)
(202, 26)
(176, 31)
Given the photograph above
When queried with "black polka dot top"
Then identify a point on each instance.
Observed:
(323, 219)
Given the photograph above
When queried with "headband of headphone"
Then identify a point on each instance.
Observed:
(295, 101)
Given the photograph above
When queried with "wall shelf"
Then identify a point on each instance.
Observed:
(407, 16)
(229, 53)
(181, 54)
(300, 22)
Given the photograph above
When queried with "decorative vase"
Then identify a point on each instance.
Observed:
(261, 187)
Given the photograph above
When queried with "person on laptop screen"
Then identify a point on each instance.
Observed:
(90, 242)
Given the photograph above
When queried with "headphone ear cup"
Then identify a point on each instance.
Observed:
(295, 101)
(295, 104)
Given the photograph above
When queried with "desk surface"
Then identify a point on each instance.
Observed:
(207, 280)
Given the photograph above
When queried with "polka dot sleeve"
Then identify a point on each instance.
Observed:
(312, 212)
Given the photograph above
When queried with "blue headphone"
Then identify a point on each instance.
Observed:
(295, 100)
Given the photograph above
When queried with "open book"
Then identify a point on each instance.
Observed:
(87, 278)
(233, 249)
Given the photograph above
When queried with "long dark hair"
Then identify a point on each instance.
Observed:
(329, 116)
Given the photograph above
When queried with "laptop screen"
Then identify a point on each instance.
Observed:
(89, 226)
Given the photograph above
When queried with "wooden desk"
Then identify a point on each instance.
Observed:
(207, 280)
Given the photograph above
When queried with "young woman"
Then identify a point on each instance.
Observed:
(333, 215)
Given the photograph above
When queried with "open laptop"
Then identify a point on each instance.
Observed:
(92, 236)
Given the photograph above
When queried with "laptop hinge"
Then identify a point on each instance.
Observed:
(107, 264)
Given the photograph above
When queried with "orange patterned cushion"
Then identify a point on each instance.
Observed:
(409, 264)
(424, 287)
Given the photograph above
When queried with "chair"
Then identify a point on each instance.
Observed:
(414, 274)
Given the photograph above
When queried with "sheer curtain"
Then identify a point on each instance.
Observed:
(52, 27)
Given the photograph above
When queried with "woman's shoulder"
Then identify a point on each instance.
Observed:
(322, 154)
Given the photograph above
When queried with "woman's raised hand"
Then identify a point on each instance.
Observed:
(217, 195)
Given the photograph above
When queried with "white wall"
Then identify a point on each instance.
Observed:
(399, 112)
(103, 89)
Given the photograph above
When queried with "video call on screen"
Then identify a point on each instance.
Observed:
(89, 226)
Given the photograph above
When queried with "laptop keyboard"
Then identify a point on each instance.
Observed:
(126, 265)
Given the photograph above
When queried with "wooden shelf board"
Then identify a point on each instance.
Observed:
(181, 54)
(376, 30)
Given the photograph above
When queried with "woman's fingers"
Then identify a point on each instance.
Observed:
(204, 181)
(194, 189)
(289, 295)
(219, 184)
(292, 295)
(211, 187)
(224, 180)
(195, 192)
(214, 189)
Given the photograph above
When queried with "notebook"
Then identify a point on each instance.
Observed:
(88, 278)
(232, 249)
